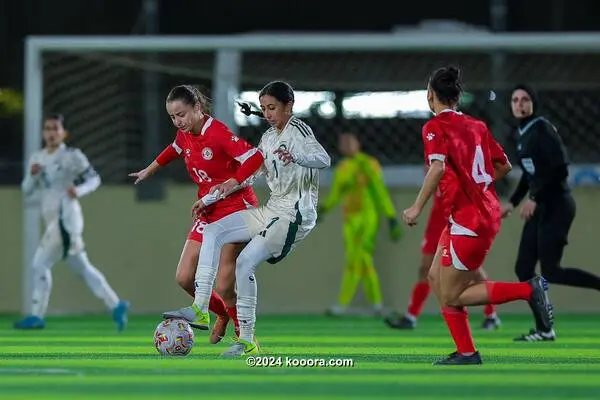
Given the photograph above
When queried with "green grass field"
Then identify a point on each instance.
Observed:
(84, 358)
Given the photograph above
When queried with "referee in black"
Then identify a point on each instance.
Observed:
(549, 209)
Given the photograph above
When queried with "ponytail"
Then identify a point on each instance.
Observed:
(247, 111)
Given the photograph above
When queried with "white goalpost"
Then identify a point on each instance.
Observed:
(227, 75)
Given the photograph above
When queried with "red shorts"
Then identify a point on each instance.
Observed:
(220, 210)
(465, 253)
(435, 225)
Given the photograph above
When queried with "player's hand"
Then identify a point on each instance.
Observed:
(140, 175)
(197, 208)
(528, 209)
(395, 229)
(506, 210)
(411, 214)
(35, 169)
(225, 188)
(72, 192)
(284, 156)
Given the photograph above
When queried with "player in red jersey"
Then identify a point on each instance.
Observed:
(437, 221)
(212, 155)
(464, 161)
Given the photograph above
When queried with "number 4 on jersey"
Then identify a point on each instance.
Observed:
(478, 171)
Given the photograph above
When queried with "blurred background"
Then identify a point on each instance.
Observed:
(113, 102)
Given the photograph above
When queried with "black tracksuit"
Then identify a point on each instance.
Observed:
(544, 161)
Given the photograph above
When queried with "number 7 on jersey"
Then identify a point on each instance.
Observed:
(478, 171)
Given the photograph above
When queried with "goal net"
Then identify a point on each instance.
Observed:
(379, 94)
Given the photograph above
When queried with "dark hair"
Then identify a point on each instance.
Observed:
(191, 95)
(281, 91)
(56, 117)
(447, 85)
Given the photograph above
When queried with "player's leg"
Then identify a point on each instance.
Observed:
(272, 243)
(46, 255)
(490, 320)
(370, 278)
(225, 287)
(186, 272)
(555, 224)
(234, 228)
(462, 255)
(352, 273)
(96, 281)
(527, 259)
(255, 252)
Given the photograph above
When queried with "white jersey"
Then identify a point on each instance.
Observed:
(295, 187)
(63, 168)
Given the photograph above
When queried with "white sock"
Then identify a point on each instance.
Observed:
(231, 229)
(94, 279)
(253, 254)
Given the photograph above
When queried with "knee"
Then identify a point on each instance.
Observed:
(431, 278)
(449, 298)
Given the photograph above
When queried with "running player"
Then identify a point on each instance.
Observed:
(358, 182)
(212, 154)
(62, 175)
(465, 160)
(293, 157)
(438, 219)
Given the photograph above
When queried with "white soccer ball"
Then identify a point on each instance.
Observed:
(174, 337)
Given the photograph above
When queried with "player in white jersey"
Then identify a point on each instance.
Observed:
(59, 175)
(293, 157)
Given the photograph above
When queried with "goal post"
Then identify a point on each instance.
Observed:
(356, 63)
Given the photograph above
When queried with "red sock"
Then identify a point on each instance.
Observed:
(503, 292)
(489, 310)
(217, 305)
(458, 325)
(417, 299)
(232, 312)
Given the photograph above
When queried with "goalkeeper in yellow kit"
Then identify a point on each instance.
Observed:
(358, 183)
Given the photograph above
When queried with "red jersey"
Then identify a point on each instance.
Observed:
(469, 151)
(212, 157)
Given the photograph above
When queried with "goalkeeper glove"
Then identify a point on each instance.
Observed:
(395, 229)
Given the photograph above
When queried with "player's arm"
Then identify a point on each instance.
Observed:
(436, 153)
(87, 179)
(382, 196)
(170, 153)
(31, 180)
(337, 192)
(249, 157)
(434, 175)
(312, 154)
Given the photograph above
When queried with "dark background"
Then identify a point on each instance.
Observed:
(110, 17)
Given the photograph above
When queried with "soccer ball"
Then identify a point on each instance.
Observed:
(174, 337)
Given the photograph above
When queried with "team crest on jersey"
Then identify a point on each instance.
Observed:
(207, 153)
(430, 136)
(283, 147)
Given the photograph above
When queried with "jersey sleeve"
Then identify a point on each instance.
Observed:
(86, 178)
(235, 146)
(171, 152)
(308, 152)
(434, 143)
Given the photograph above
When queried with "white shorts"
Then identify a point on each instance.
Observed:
(57, 243)
(281, 233)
